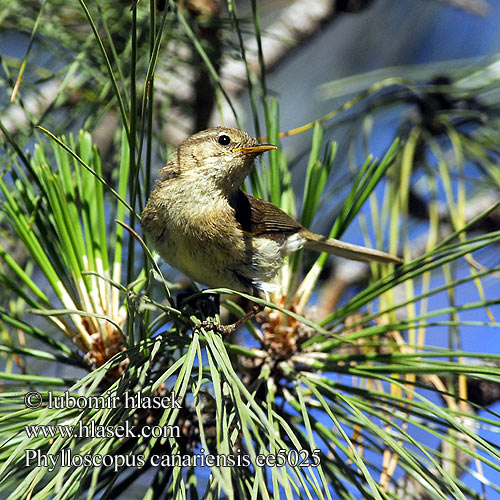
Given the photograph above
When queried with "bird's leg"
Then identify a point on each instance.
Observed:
(228, 329)
(207, 303)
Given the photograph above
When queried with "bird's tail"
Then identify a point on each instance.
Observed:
(346, 250)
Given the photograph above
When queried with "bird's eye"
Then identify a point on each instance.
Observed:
(224, 140)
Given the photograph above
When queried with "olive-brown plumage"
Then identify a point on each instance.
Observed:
(202, 223)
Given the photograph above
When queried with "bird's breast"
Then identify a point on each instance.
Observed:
(202, 238)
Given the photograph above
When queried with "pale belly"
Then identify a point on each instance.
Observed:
(208, 247)
(240, 263)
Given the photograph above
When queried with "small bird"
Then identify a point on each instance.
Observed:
(202, 223)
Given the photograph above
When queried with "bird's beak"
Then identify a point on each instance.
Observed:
(256, 150)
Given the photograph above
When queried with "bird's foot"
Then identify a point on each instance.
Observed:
(216, 327)
(228, 329)
(207, 304)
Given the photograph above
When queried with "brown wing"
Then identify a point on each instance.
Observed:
(262, 218)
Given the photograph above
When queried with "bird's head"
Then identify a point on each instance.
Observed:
(223, 156)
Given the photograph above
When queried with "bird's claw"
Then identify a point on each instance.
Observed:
(228, 329)
(216, 327)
